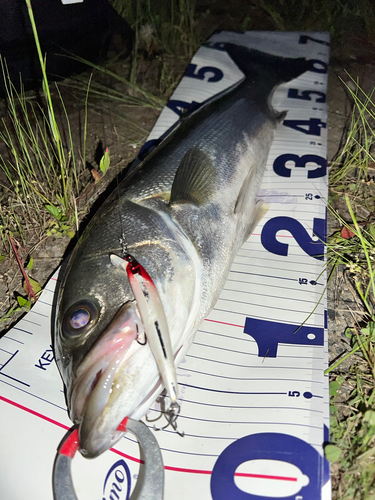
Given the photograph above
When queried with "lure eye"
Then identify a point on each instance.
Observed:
(80, 318)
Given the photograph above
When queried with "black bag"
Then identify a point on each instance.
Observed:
(84, 29)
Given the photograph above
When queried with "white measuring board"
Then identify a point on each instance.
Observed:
(254, 398)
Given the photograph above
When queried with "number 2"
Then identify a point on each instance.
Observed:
(313, 248)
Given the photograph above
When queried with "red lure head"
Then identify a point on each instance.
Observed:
(135, 267)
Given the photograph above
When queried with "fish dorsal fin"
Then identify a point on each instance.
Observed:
(195, 180)
(280, 115)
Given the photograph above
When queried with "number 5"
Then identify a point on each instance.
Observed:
(293, 393)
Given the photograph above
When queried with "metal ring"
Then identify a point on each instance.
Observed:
(150, 483)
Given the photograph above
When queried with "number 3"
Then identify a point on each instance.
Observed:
(280, 168)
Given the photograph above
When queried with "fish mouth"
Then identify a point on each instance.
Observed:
(98, 382)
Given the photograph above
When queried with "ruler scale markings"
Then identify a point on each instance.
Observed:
(29, 321)
(1, 349)
(263, 422)
(265, 285)
(13, 378)
(261, 275)
(270, 296)
(253, 378)
(239, 260)
(258, 305)
(280, 318)
(230, 392)
(248, 366)
(294, 408)
(35, 396)
(14, 340)
(15, 328)
(305, 313)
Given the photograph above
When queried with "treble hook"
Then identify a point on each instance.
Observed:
(161, 400)
(171, 415)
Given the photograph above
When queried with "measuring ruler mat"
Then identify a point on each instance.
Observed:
(254, 399)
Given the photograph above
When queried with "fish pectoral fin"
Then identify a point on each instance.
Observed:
(245, 193)
(261, 209)
(195, 180)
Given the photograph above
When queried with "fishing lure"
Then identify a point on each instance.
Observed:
(155, 325)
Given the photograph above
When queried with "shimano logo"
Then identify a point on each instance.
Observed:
(117, 482)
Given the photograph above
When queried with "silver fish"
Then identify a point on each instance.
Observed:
(183, 214)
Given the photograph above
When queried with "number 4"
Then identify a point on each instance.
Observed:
(309, 127)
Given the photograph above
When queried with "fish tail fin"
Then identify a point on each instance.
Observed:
(255, 63)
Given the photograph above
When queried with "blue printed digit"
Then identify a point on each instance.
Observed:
(309, 127)
(267, 446)
(305, 95)
(269, 334)
(280, 168)
(294, 394)
(208, 73)
(181, 107)
(314, 248)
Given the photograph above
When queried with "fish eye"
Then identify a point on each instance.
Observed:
(80, 318)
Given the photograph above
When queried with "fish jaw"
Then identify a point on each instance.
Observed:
(136, 377)
(112, 367)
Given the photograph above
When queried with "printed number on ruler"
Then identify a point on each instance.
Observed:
(280, 168)
(313, 126)
(207, 74)
(307, 95)
(269, 334)
(238, 473)
(314, 248)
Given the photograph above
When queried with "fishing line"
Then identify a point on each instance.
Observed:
(122, 240)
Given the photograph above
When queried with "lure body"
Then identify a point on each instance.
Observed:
(154, 321)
